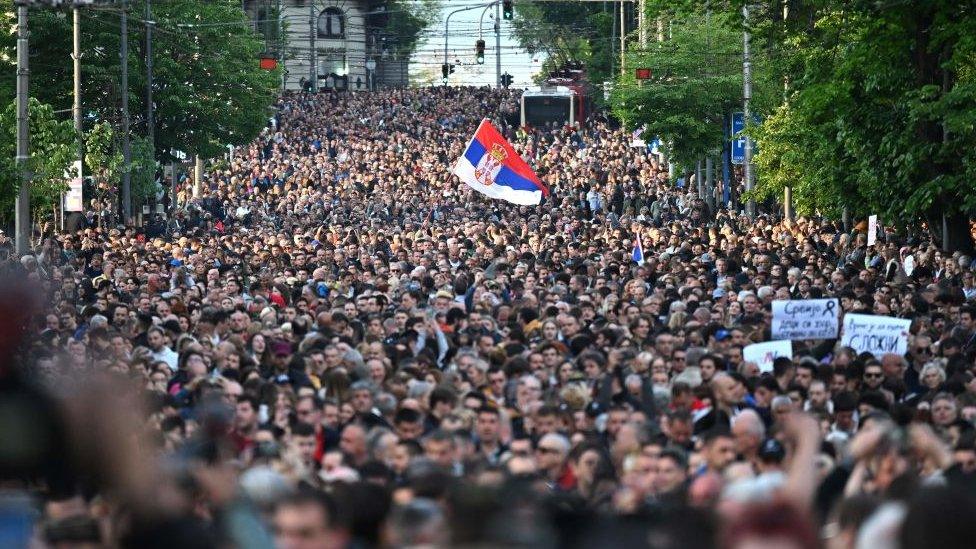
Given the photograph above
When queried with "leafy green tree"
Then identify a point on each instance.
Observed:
(208, 88)
(404, 23)
(696, 82)
(53, 150)
(104, 161)
(568, 31)
(881, 117)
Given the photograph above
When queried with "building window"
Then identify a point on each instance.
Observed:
(332, 62)
(332, 23)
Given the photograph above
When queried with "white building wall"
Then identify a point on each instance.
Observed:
(298, 22)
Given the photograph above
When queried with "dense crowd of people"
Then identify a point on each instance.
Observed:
(337, 344)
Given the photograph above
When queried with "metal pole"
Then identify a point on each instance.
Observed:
(150, 114)
(787, 190)
(172, 183)
(76, 104)
(746, 97)
(726, 161)
(447, 21)
(197, 176)
(313, 70)
(498, 44)
(126, 152)
(642, 23)
(698, 179)
(623, 36)
(22, 201)
(710, 182)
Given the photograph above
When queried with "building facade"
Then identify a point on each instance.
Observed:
(338, 44)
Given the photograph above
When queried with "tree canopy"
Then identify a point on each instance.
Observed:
(881, 114)
(208, 89)
(569, 31)
(696, 82)
(866, 107)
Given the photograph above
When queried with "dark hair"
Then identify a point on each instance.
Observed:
(489, 410)
(677, 455)
(407, 415)
(303, 429)
(781, 365)
(442, 394)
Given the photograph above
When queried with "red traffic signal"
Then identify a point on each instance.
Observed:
(642, 74)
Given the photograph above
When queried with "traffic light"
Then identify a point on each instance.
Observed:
(479, 48)
(507, 80)
(508, 10)
(445, 70)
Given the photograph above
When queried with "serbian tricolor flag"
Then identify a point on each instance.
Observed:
(492, 167)
(638, 254)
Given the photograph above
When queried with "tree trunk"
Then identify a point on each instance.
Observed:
(943, 218)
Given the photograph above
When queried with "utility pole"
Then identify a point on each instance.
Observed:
(22, 201)
(498, 45)
(642, 23)
(76, 106)
(746, 97)
(623, 35)
(126, 152)
(787, 190)
(312, 69)
(150, 114)
(197, 176)
(76, 102)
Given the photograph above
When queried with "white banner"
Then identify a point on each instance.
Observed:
(874, 334)
(73, 199)
(872, 230)
(763, 354)
(798, 319)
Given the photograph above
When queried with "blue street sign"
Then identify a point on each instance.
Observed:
(738, 141)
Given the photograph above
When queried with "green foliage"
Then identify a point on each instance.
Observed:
(142, 174)
(568, 31)
(208, 88)
(104, 160)
(409, 18)
(881, 117)
(696, 83)
(52, 146)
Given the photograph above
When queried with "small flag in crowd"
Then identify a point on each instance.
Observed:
(638, 255)
(637, 132)
(491, 166)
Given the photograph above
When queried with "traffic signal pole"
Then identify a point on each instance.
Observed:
(498, 45)
(447, 22)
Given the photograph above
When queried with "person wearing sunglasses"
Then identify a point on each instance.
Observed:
(873, 376)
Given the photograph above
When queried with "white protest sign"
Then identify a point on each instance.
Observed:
(874, 334)
(74, 199)
(872, 230)
(797, 319)
(763, 354)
